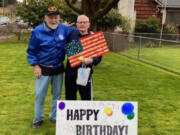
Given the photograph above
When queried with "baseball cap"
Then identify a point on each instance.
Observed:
(52, 10)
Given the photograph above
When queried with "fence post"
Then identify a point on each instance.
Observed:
(113, 42)
(139, 48)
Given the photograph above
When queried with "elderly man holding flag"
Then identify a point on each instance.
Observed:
(72, 73)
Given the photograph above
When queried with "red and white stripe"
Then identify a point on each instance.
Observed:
(94, 45)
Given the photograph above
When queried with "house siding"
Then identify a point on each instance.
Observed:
(146, 9)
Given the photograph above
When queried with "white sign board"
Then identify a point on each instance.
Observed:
(96, 118)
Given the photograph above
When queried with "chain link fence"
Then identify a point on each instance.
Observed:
(164, 53)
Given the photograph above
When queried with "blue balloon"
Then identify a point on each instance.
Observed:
(127, 108)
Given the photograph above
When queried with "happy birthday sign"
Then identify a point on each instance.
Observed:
(96, 118)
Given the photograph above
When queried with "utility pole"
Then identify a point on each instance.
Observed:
(3, 6)
(164, 12)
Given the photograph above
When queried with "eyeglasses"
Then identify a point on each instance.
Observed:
(52, 9)
(83, 22)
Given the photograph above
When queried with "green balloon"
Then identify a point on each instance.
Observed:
(131, 116)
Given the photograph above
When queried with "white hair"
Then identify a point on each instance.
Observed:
(80, 16)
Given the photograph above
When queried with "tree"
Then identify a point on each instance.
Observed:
(32, 11)
(67, 14)
(17, 29)
(94, 9)
(14, 28)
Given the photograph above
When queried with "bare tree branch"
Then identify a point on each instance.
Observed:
(87, 6)
(94, 9)
(106, 8)
(97, 4)
(91, 5)
(71, 5)
(74, 1)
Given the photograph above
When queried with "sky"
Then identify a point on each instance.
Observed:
(20, 0)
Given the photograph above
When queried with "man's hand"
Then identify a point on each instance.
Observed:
(87, 61)
(37, 71)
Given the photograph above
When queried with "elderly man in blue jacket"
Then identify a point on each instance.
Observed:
(46, 53)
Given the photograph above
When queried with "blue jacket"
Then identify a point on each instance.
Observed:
(46, 46)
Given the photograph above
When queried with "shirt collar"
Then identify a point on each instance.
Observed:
(83, 35)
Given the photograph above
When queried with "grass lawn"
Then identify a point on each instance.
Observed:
(117, 78)
(166, 56)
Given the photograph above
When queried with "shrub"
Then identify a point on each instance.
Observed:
(150, 25)
(170, 32)
(112, 20)
(170, 29)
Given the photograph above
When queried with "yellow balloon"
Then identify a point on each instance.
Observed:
(108, 111)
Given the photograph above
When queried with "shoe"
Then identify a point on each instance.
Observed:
(53, 121)
(37, 125)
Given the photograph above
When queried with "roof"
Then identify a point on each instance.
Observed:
(170, 3)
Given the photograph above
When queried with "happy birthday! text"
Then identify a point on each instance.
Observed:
(101, 130)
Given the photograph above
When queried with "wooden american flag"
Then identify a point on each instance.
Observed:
(94, 45)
